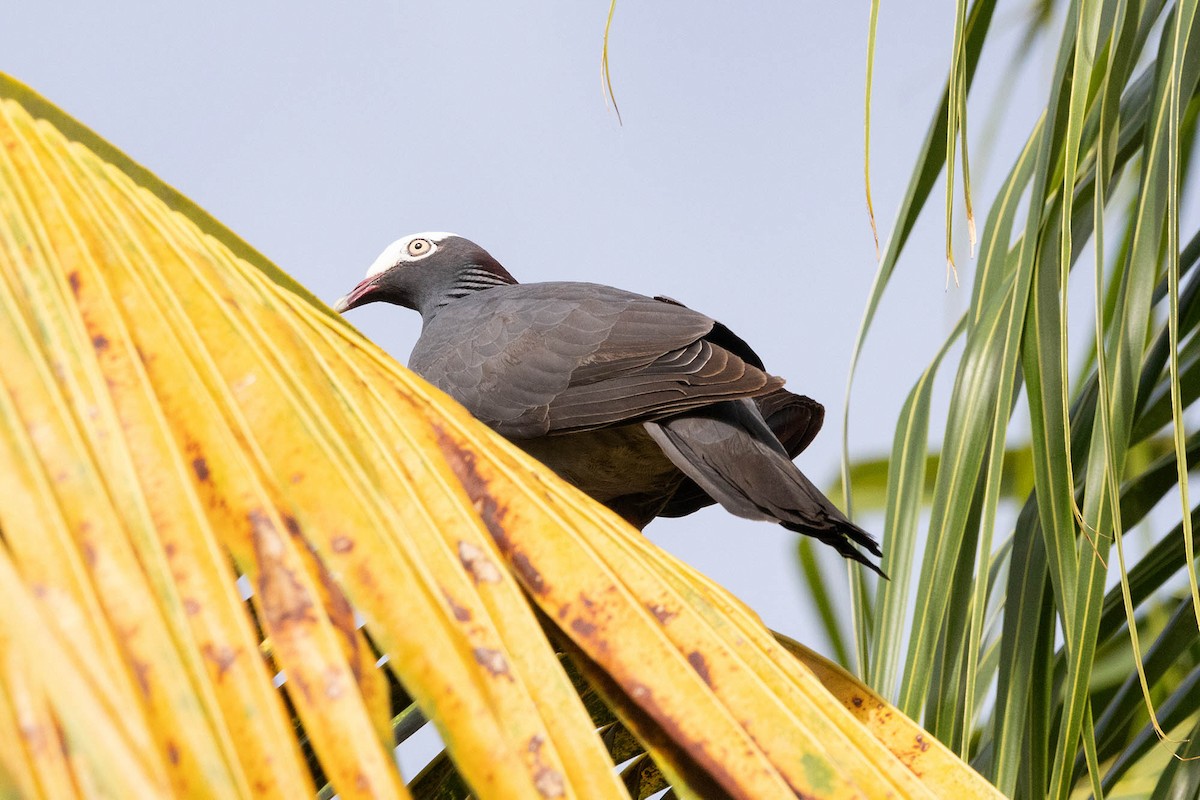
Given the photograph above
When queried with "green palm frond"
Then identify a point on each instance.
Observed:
(1058, 654)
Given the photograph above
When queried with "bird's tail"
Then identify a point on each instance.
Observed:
(794, 420)
(731, 453)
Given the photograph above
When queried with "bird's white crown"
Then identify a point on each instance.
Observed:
(398, 252)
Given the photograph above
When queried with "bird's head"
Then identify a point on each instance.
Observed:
(424, 271)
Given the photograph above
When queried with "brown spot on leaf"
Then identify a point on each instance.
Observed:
(462, 462)
(73, 279)
(100, 342)
(548, 781)
(342, 544)
(493, 661)
(481, 568)
(365, 576)
(461, 614)
(490, 511)
(492, 514)
(662, 613)
(191, 606)
(857, 701)
(200, 467)
(141, 673)
(60, 740)
(284, 599)
(922, 743)
(698, 662)
(583, 627)
(89, 553)
(338, 608)
(223, 657)
(697, 748)
(293, 527)
(172, 752)
(528, 574)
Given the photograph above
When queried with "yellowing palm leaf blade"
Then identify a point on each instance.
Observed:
(153, 383)
(694, 632)
(176, 411)
(136, 532)
(938, 768)
(50, 713)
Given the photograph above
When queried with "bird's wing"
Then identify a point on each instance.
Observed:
(538, 359)
(794, 419)
(731, 453)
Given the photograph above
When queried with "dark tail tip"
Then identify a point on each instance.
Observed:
(843, 536)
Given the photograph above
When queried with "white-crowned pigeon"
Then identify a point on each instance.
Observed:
(651, 408)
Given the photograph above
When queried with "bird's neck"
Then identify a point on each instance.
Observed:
(466, 282)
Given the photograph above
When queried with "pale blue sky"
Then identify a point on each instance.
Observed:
(321, 133)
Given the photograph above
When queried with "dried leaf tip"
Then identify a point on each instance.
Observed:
(951, 270)
(605, 75)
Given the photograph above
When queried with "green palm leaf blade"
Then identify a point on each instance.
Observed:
(1041, 617)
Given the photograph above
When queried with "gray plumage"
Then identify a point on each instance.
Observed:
(650, 407)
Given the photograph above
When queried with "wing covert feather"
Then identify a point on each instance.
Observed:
(537, 359)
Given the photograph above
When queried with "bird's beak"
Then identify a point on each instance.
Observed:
(356, 297)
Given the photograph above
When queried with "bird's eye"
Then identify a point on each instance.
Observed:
(419, 247)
